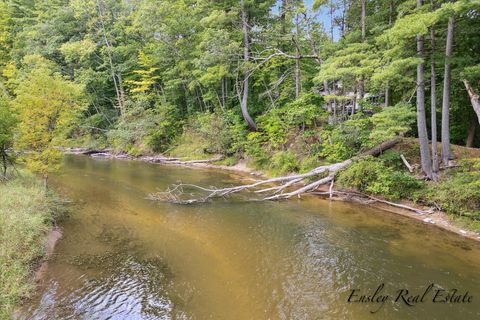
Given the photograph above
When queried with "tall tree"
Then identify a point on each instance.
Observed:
(446, 151)
(363, 17)
(426, 160)
(246, 59)
(433, 98)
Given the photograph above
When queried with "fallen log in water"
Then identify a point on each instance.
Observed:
(166, 160)
(325, 174)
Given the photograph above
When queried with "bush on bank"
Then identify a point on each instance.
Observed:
(458, 192)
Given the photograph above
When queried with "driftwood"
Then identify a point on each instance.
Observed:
(323, 174)
(405, 162)
(165, 160)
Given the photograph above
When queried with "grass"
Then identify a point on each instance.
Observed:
(26, 215)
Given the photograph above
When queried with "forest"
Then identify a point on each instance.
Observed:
(286, 86)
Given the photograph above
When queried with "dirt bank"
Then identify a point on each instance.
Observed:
(51, 241)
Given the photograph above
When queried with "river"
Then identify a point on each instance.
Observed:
(125, 257)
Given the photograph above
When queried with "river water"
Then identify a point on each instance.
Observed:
(126, 257)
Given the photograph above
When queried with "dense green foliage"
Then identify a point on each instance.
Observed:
(25, 217)
(143, 75)
(459, 192)
(380, 176)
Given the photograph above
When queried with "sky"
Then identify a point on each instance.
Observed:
(322, 17)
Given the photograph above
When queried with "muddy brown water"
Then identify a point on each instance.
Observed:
(125, 257)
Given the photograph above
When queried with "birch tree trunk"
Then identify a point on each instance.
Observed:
(426, 160)
(446, 152)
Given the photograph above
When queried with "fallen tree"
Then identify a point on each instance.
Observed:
(324, 175)
(178, 161)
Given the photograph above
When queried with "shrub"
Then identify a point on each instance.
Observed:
(212, 133)
(345, 140)
(309, 163)
(459, 193)
(303, 113)
(144, 127)
(283, 162)
(361, 133)
(168, 125)
(392, 159)
(372, 175)
(132, 127)
(255, 151)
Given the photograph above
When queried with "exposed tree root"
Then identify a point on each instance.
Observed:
(324, 174)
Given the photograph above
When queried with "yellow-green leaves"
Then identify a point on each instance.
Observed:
(144, 77)
(47, 105)
(77, 51)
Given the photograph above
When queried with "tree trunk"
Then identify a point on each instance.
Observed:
(45, 181)
(297, 55)
(117, 80)
(4, 161)
(343, 21)
(332, 20)
(387, 95)
(224, 91)
(474, 98)
(472, 129)
(246, 58)
(363, 27)
(426, 160)
(334, 106)
(446, 152)
(433, 98)
(362, 18)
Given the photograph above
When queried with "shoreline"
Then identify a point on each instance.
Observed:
(437, 219)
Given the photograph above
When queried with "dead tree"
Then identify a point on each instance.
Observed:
(474, 97)
(274, 188)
